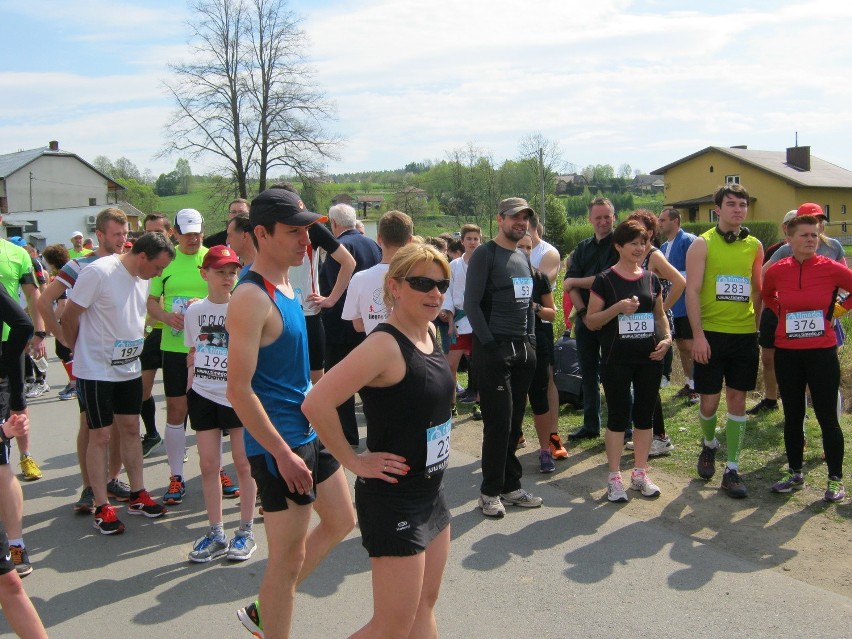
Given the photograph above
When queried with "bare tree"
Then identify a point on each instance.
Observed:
(248, 98)
(545, 160)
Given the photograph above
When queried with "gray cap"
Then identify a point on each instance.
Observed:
(789, 215)
(511, 206)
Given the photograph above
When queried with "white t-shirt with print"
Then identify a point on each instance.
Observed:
(112, 330)
(204, 330)
(365, 297)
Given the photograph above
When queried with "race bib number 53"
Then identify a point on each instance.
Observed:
(523, 287)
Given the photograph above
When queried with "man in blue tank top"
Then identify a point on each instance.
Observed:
(268, 377)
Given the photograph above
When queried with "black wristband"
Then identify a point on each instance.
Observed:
(41, 334)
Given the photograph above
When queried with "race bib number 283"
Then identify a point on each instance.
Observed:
(733, 288)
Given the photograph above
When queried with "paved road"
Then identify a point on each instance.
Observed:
(574, 568)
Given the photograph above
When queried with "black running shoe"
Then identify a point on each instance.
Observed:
(706, 466)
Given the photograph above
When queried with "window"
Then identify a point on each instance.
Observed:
(732, 179)
(713, 217)
(843, 209)
(93, 201)
(826, 208)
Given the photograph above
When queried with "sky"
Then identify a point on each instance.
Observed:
(614, 82)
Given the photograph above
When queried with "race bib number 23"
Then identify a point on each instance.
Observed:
(438, 447)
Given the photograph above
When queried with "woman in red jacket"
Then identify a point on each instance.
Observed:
(802, 291)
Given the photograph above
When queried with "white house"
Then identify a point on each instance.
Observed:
(47, 194)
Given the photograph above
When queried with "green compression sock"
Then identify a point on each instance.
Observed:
(734, 434)
(708, 426)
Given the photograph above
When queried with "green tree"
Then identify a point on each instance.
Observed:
(140, 195)
(185, 175)
(124, 169)
(409, 200)
(103, 164)
(167, 184)
(554, 229)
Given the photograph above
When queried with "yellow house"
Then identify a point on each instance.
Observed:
(776, 182)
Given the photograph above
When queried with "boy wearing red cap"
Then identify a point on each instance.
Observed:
(210, 412)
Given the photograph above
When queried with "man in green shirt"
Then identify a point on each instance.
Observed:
(179, 285)
(77, 249)
(723, 279)
(16, 271)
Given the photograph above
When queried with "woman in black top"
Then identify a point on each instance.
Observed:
(406, 388)
(626, 305)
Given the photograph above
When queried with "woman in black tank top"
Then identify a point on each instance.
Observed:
(406, 388)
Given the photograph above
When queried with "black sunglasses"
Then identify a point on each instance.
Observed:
(426, 284)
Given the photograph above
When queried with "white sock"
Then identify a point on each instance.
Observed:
(175, 447)
(691, 384)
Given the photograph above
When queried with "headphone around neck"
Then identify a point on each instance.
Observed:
(730, 237)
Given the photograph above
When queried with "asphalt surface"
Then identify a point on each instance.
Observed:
(576, 567)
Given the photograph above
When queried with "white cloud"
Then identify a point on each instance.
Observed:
(613, 81)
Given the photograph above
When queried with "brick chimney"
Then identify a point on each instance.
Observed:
(799, 157)
(54, 145)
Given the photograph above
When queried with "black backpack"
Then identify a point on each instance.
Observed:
(566, 371)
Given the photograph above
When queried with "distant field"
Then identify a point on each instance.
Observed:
(199, 199)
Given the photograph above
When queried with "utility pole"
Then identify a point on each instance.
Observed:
(31, 190)
(541, 179)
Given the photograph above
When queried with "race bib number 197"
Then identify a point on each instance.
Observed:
(125, 351)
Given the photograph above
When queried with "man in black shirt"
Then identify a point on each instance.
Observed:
(341, 338)
(497, 301)
(592, 256)
(235, 208)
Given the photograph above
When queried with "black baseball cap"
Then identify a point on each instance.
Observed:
(280, 205)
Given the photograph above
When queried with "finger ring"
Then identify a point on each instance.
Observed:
(385, 467)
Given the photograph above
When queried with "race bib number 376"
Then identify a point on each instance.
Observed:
(805, 324)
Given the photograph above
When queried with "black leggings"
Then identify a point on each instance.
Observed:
(819, 370)
(617, 376)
